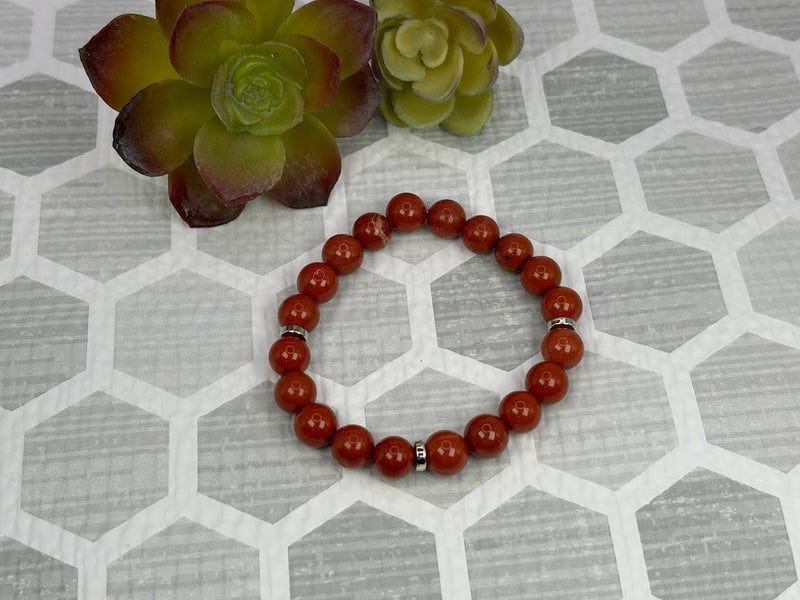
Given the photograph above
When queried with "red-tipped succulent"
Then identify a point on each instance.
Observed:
(237, 98)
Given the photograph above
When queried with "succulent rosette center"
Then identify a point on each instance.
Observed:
(233, 99)
(260, 90)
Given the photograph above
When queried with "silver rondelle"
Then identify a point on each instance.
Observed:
(561, 322)
(295, 331)
(420, 456)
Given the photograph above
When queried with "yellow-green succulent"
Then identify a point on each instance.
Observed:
(437, 60)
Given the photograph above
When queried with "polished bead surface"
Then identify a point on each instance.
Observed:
(293, 391)
(547, 381)
(314, 424)
(512, 251)
(447, 452)
(351, 446)
(373, 231)
(480, 233)
(318, 281)
(289, 354)
(563, 346)
(406, 212)
(393, 457)
(561, 301)
(486, 436)
(299, 309)
(520, 411)
(539, 274)
(343, 252)
(446, 218)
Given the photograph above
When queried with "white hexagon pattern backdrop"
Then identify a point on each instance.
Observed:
(652, 147)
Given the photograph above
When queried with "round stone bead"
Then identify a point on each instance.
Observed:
(539, 274)
(547, 381)
(288, 354)
(314, 424)
(520, 411)
(486, 436)
(393, 457)
(351, 446)
(480, 233)
(447, 452)
(318, 281)
(294, 390)
(512, 251)
(373, 231)
(406, 212)
(299, 309)
(343, 252)
(562, 346)
(561, 301)
(446, 218)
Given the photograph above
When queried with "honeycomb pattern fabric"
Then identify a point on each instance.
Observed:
(651, 147)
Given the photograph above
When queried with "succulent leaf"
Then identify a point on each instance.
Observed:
(207, 33)
(167, 12)
(486, 9)
(388, 111)
(194, 202)
(269, 15)
(356, 101)
(465, 27)
(312, 166)
(236, 167)
(260, 89)
(124, 57)
(426, 38)
(379, 67)
(480, 71)
(417, 112)
(154, 132)
(440, 83)
(469, 113)
(397, 64)
(322, 70)
(345, 26)
(507, 36)
(407, 9)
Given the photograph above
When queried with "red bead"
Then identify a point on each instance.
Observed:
(561, 302)
(373, 231)
(318, 281)
(539, 274)
(343, 252)
(480, 233)
(294, 390)
(446, 218)
(563, 346)
(393, 457)
(314, 424)
(512, 250)
(289, 354)
(486, 436)
(447, 452)
(406, 212)
(520, 411)
(300, 310)
(547, 381)
(351, 446)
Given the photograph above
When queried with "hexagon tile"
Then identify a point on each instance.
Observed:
(15, 30)
(713, 538)
(26, 573)
(657, 25)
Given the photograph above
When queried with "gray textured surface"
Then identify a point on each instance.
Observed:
(363, 554)
(45, 122)
(94, 465)
(15, 32)
(6, 222)
(760, 87)
(545, 23)
(604, 96)
(710, 537)
(42, 340)
(651, 23)
(776, 17)
(26, 574)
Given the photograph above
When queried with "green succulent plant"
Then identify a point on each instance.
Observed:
(237, 98)
(437, 60)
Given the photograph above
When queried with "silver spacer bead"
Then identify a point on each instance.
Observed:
(294, 331)
(560, 322)
(420, 456)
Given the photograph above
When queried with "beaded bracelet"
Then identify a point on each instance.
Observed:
(445, 452)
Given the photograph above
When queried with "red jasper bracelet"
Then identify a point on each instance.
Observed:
(445, 452)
